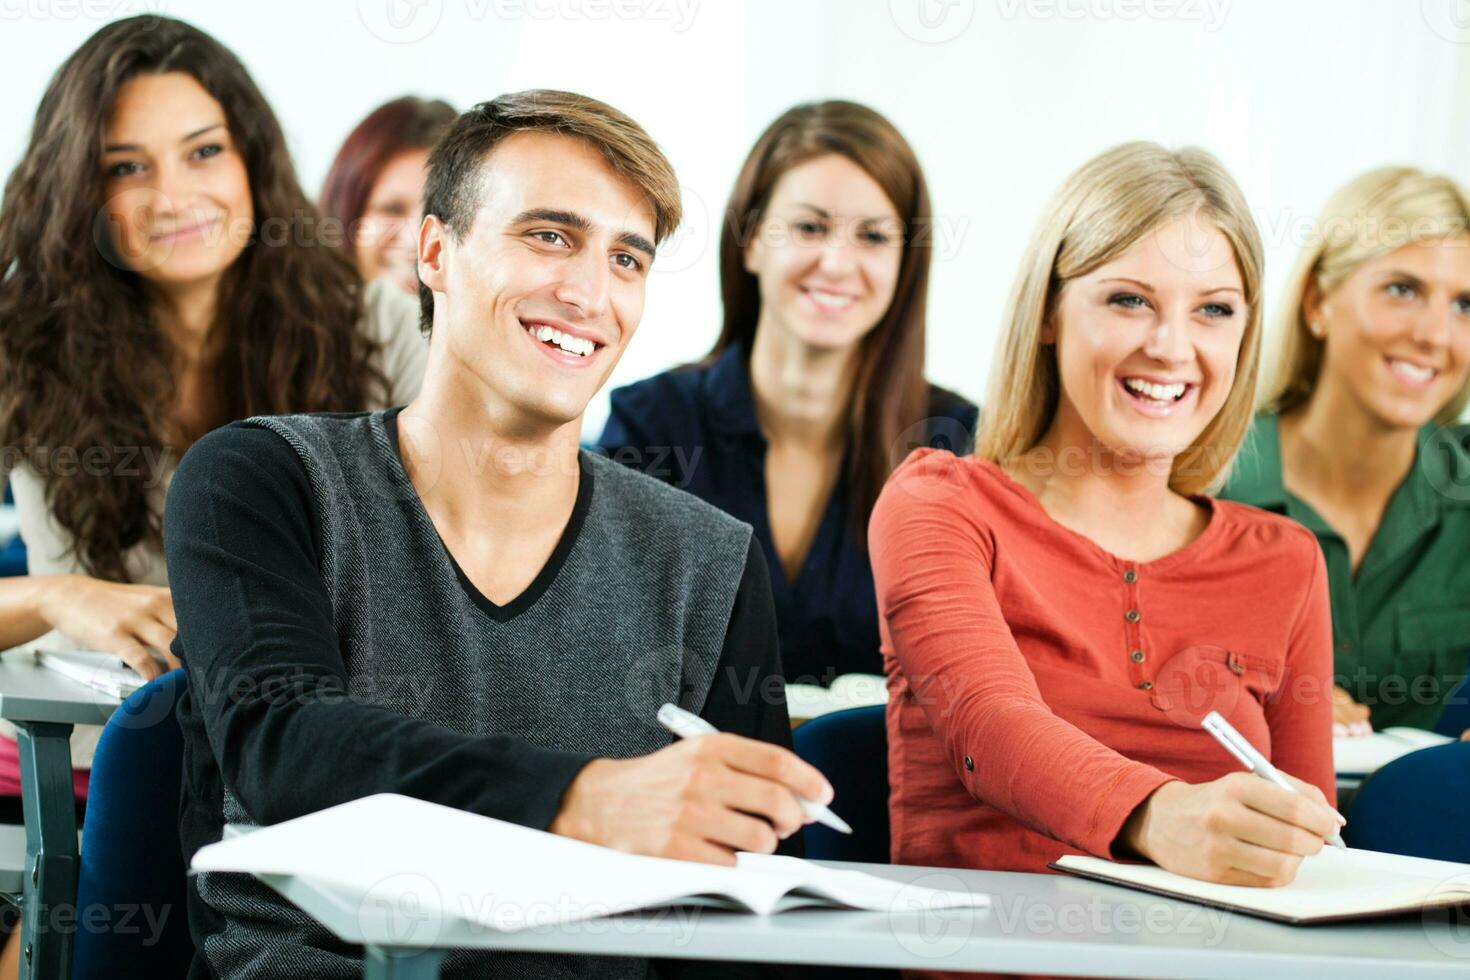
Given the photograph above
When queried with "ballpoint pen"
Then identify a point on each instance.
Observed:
(685, 724)
(1237, 746)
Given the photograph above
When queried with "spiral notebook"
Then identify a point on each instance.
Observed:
(1331, 886)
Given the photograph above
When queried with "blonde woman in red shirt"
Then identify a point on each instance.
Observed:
(1061, 610)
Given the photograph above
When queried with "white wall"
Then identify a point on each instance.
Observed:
(1001, 98)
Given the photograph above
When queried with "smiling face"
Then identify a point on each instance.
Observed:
(1147, 343)
(178, 205)
(539, 297)
(826, 253)
(387, 237)
(1397, 331)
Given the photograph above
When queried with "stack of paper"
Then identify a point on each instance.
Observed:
(100, 671)
(507, 877)
(1362, 754)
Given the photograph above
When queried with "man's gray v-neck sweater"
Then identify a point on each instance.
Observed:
(335, 649)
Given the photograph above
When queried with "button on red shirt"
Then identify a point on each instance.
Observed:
(1040, 687)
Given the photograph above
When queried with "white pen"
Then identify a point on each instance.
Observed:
(1237, 746)
(685, 724)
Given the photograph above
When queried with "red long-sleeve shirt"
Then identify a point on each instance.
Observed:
(1040, 687)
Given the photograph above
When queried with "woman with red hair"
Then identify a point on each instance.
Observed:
(375, 187)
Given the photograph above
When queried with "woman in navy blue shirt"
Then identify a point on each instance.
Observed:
(815, 389)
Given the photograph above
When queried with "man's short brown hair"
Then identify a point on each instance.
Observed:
(452, 190)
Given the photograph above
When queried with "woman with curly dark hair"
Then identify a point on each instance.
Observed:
(161, 273)
(375, 188)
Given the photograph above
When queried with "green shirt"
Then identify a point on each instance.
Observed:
(1401, 625)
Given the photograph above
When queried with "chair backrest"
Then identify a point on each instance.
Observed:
(13, 551)
(1415, 805)
(1455, 718)
(850, 747)
(132, 876)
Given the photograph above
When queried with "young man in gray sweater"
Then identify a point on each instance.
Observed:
(452, 601)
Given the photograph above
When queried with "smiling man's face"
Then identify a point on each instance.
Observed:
(538, 298)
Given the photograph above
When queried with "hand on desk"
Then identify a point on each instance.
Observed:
(1349, 718)
(1237, 830)
(700, 799)
(124, 620)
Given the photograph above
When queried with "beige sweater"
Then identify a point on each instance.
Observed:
(391, 318)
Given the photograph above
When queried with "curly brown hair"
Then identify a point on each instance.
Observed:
(85, 366)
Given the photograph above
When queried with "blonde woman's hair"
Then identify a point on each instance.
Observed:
(1099, 213)
(1371, 216)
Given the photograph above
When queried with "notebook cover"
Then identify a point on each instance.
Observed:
(1383, 913)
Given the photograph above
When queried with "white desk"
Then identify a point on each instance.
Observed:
(43, 706)
(1038, 923)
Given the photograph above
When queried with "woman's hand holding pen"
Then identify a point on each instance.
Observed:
(1236, 830)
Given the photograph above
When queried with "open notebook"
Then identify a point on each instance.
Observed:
(507, 877)
(1330, 886)
(807, 701)
(1362, 754)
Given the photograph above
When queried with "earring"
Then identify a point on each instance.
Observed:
(1316, 329)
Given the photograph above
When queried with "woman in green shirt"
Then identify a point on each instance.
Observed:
(1359, 439)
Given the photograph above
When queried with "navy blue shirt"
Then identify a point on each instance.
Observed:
(695, 427)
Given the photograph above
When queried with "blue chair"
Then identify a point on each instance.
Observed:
(851, 749)
(131, 856)
(13, 560)
(1456, 715)
(1415, 805)
(13, 552)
